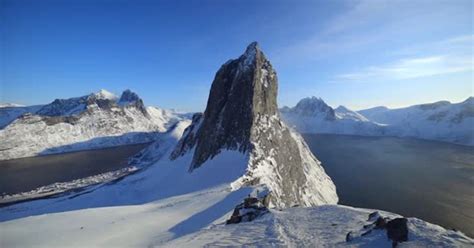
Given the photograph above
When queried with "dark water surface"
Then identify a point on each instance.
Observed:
(25, 174)
(433, 181)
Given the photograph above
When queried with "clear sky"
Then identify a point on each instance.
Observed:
(354, 53)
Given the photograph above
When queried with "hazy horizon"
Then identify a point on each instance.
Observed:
(279, 105)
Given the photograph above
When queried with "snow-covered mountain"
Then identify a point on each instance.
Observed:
(9, 112)
(313, 115)
(194, 177)
(444, 121)
(93, 121)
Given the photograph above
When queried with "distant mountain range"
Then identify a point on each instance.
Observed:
(442, 121)
(93, 121)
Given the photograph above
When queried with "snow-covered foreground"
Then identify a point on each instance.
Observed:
(143, 225)
(197, 220)
(139, 210)
(323, 226)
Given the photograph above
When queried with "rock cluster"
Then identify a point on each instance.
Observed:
(397, 229)
(251, 208)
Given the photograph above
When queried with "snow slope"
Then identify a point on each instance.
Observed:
(444, 121)
(323, 226)
(196, 220)
(157, 204)
(88, 122)
(313, 115)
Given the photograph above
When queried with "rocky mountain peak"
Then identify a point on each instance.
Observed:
(103, 100)
(130, 98)
(314, 106)
(243, 90)
(242, 114)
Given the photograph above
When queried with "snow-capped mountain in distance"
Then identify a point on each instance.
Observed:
(345, 113)
(93, 121)
(6, 105)
(237, 147)
(313, 115)
(444, 121)
(9, 112)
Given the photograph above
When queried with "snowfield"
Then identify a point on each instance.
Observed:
(197, 220)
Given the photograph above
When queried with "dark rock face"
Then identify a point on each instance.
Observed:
(243, 90)
(129, 98)
(53, 120)
(242, 114)
(397, 230)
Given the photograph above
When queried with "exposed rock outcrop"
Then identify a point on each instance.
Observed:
(242, 114)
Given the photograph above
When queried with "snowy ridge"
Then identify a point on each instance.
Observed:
(11, 112)
(323, 226)
(82, 123)
(443, 121)
(9, 105)
(313, 115)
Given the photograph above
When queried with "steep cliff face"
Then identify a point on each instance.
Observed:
(242, 114)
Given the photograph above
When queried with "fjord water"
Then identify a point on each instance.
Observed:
(433, 181)
(25, 174)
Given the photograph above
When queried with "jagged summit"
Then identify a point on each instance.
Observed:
(129, 98)
(103, 99)
(313, 106)
(242, 114)
(243, 89)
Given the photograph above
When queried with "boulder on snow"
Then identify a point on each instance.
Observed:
(380, 223)
(397, 230)
(251, 208)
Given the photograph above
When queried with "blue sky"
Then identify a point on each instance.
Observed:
(353, 53)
